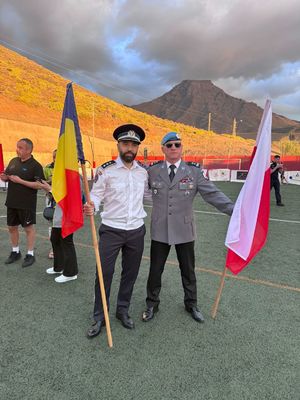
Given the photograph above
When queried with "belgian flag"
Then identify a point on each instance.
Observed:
(66, 188)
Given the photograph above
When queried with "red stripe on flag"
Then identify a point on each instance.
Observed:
(71, 204)
(1, 159)
(234, 262)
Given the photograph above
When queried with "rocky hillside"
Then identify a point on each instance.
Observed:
(191, 101)
(31, 102)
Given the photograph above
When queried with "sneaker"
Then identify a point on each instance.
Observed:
(14, 256)
(51, 271)
(28, 260)
(63, 278)
(51, 255)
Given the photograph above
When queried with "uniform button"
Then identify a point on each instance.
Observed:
(170, 213)
(170, 197)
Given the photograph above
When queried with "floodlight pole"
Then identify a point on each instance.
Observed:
(97, 255)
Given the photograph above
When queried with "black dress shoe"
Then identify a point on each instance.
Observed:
(195, 313)
(125, 320)
(14, 256)
(28, 260)
(149, 313)
(280, 204)
(95, 329)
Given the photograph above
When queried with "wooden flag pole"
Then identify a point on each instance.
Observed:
(98, 262)
(218, 297)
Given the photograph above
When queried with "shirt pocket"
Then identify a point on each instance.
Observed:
(118, 190)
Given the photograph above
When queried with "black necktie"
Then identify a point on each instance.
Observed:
(172, 173)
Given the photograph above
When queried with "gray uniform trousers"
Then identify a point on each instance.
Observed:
(111, 241)
(186, 258)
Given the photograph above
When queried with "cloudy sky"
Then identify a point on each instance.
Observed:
(135, 50)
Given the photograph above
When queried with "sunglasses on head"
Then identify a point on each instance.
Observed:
(169, 145)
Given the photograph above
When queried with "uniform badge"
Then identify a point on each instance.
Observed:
(98, 173)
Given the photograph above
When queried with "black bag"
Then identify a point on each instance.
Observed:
(48, 213)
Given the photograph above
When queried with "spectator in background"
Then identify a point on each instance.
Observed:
(48, 170)
(50, 202)
(64, 253)
(22, 175)
(276, 171)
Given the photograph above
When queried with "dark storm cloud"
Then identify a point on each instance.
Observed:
(212, 39)
(70, 32)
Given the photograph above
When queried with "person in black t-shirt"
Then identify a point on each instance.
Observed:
(22, 175)
(276, 169)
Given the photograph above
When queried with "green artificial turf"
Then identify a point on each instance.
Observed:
(251, 351)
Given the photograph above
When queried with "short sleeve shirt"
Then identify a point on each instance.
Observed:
(20, 196)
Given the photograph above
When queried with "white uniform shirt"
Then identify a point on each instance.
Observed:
(176, 166)
(122, 191)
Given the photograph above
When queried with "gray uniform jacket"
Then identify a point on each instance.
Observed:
(172, 219)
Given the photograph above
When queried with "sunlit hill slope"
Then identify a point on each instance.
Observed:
(31, 102)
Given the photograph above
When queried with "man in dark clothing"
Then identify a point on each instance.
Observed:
(276, 170)
(21, 174)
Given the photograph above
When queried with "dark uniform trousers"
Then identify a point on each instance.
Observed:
(64, 253)
(186, 258)
(111, 241)
(276, 185)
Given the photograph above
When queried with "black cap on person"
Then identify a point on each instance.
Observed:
(129, 132)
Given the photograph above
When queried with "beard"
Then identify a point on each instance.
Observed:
(128, 156)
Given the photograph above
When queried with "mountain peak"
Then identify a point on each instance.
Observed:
(191, 101)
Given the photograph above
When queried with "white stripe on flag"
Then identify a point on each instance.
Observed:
(243, 221)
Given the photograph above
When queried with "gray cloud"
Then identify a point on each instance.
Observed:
(135, 50)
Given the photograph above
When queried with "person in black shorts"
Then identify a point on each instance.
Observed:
(22, 175)
(276, 171)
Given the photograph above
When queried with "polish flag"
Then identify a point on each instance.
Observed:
(248, 226)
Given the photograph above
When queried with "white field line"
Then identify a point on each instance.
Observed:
(207, 212)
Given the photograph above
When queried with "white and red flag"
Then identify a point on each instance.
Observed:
(248, 226)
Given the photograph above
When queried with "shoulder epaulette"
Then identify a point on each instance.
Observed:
(107, 164)
(193, 164)
(155, 163)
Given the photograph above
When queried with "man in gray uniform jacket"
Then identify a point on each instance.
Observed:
(174, 184)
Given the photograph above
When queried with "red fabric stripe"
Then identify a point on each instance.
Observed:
(233, 261)
(71, 204)
(1, 159)
(252, 155)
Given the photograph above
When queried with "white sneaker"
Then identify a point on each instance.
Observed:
(63, 278)
(51, 271)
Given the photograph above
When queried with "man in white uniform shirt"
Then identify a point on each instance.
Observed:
(121, 185)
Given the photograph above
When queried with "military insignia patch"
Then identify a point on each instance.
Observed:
(108, 163)
(155, 163)
(98, 173)
(194, 164)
